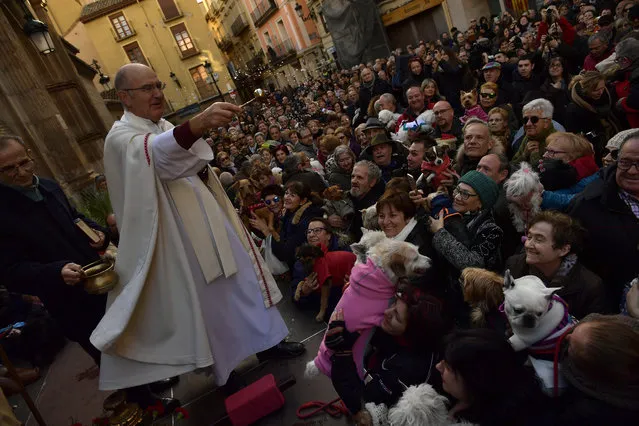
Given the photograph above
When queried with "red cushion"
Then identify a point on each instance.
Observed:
(254, 401)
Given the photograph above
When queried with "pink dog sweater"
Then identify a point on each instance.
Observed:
(363, 303)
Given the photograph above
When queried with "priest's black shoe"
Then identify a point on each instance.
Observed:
(162, 385)
(283, 350)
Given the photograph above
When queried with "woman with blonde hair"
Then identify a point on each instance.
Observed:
(431, 93)
(567, 167)
(498, 123)
(591, 110)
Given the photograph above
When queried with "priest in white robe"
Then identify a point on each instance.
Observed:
(194, 291)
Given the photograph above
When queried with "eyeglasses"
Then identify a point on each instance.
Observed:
(534, 119)
(464, 195)
(552, 152)
(314, 231)
(556, 65)
(275, 200)
(614, 153)
(441, 111)
(488, 95)
(626, 164)
(148, 88)
(13, 170)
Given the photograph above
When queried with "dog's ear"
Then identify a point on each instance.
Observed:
(358, 249)
(509, 283)
(550, 291)
(397, 264)
(364, 230)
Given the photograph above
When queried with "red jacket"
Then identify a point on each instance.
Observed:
(568, 31)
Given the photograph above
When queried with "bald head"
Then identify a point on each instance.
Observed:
(140, 91)
(126, 72)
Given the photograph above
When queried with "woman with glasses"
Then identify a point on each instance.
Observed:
(567, 167)
(555, 87)
(473, 198)
(320, 233)
(599, 362)
(301, 206)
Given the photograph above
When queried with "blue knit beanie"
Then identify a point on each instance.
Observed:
(485, 187)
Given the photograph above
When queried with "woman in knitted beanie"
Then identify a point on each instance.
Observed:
(474, 197)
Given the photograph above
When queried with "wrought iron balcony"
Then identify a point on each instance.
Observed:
(281, 51)
(263, 11)
(239, 26)
(225, 44)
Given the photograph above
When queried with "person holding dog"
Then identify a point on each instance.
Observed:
(550, 254)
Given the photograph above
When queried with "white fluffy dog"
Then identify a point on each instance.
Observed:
(389, 118)
(423, 124)
(523, 192)
(419, 405)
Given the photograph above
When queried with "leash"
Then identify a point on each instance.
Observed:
(335, 408)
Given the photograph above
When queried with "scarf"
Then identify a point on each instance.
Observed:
(404, 233)
(602, 107)
(370, 85)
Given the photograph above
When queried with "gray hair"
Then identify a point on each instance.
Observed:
(374, 172)
(599, 35)
(291, 163)
(542, 105)
(343, 149)
(388, 97)
(4, 141)
(522, 182)
(475, 120)
(632, 135)
(628, 48)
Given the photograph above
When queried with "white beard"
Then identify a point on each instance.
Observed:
(520, 219)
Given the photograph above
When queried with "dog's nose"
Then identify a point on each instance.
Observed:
(529, 321)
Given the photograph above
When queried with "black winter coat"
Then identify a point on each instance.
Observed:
(612, 244)
(36, 240)
(293, 232)
(580, 288)
(365, 95)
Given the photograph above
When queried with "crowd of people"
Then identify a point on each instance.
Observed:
(510, 148)
(534, 118)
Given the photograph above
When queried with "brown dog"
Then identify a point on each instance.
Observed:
(483, 291)
(337, 264)
(250, 204)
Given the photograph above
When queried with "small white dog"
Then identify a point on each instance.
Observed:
(368, 240)
(369, 218)
(536, 315)
(388, 118)
(423, 124)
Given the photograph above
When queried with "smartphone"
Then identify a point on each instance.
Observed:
(93, 236)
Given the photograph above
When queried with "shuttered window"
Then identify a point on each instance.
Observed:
(200, 78)
(134, 53)
(121, 26)
(169, 9)
(183, 40)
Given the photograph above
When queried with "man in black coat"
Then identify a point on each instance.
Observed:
(41, 248)
(371, 87)
(609, 209)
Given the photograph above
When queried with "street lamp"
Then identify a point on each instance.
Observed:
(104, 79)
(37, 31)
(209, 70)
(175, 79)
(300, 13)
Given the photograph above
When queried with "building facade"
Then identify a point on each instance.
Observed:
(49, 101)
(172, 37)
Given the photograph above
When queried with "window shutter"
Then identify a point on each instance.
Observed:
(169, 9)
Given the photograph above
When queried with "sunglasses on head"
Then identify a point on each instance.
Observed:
(488, 95)
(275, 200)
(614, 153)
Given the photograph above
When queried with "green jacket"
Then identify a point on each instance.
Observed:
(533, 157)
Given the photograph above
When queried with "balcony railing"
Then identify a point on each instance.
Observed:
(225, 44)
(239, 26)
(281, 51)
(263, 11)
